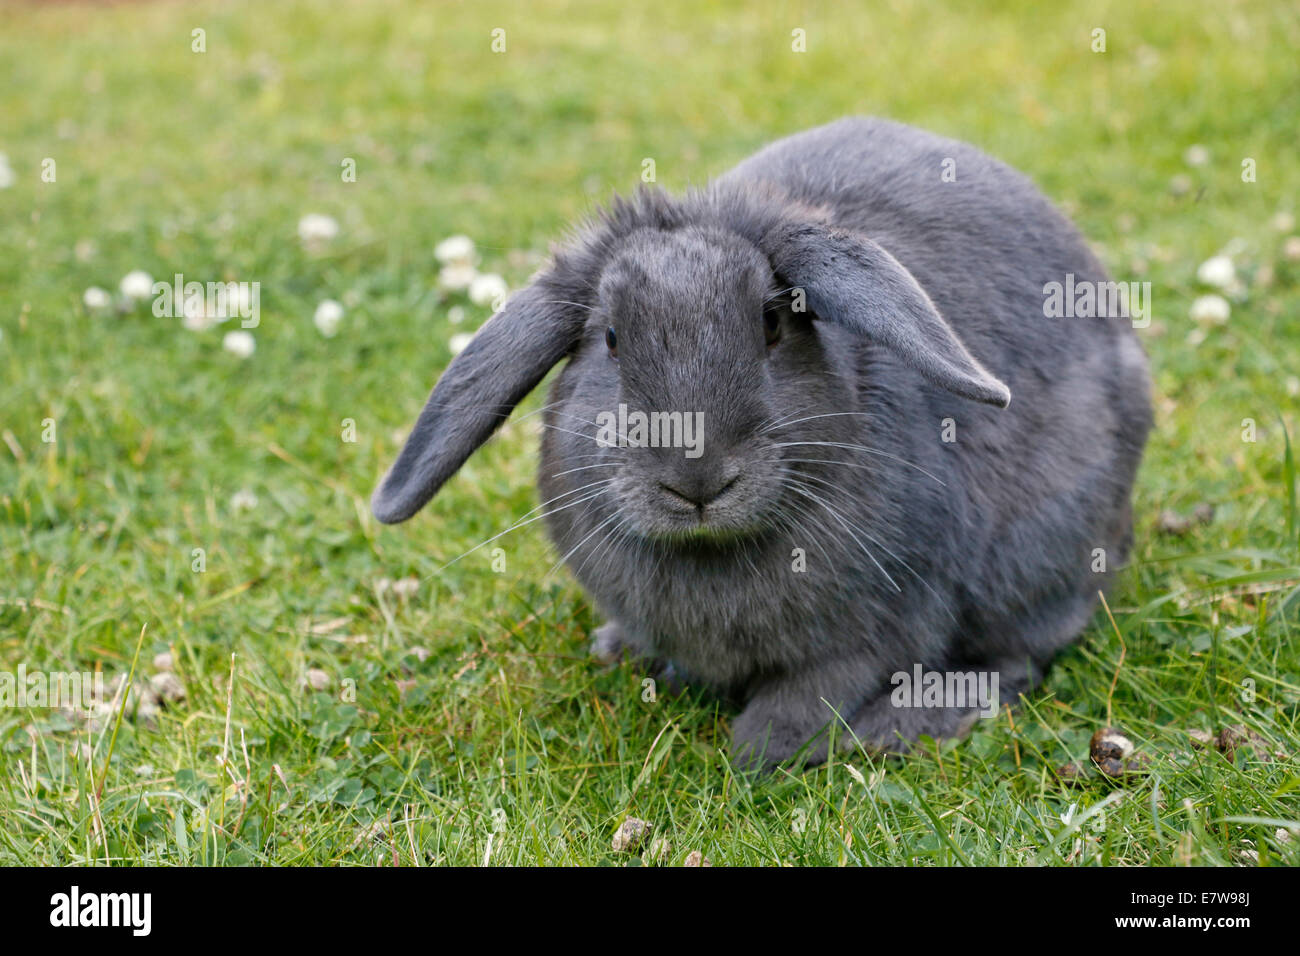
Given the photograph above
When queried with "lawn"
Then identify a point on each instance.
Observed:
(336, 695)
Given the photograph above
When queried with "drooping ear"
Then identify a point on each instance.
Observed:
(855, 283)
(504, 361)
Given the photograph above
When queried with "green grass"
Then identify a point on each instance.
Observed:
(480, 730)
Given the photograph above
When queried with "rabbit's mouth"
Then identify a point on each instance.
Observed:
(730, 507)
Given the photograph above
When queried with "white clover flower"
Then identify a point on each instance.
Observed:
(1196, 155)
(1291, 249)
(137, 285)
(1283, 221)
(455, 249)
(315, 228)
(456, 314)
(405, 588)
(7, 177)
(456, 276)
(458, 342)
(96, 298)
(240, 343)
(1217, 271)
(327, 318)
(488, 289)
(243, 499)
(1211, 308)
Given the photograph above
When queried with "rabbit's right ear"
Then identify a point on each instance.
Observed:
(504, 361)
(854, 282)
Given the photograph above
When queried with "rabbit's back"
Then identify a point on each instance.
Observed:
(1044, 485)
(978, 235)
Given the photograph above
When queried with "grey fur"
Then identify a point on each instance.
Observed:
(976, 554)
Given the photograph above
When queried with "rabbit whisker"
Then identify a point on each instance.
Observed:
(601, 464)
(577, 305)
(826, 461)
(876, 541)
(810, 418)
(520, 524)
(778, 293)
(580, 543)
(862, 448)
(788, 522)
(609, 544)
(773, 422)
(835, 514)
(569, 431)
(571, 491)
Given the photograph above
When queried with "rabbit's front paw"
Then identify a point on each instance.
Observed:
(763, 737)
(607, 643)
(610, 644)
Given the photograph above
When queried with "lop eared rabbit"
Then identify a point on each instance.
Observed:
(868, 497)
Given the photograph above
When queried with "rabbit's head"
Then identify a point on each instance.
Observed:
(696, 330)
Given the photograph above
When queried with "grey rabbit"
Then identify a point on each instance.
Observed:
(849, 325)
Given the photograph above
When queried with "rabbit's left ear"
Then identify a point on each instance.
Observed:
(504, 361)
(855, 283)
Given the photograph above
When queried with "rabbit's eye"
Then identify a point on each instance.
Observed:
(611, 340)
(771, 327)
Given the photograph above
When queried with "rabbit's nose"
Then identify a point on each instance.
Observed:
(699, 490)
